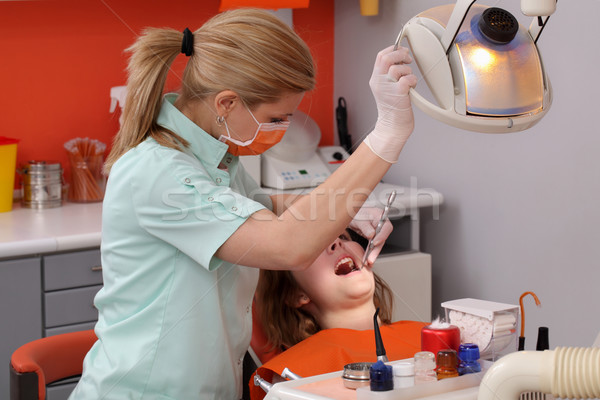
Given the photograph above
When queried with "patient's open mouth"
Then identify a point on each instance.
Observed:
(345, 266)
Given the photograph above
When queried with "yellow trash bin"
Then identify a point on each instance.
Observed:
(8, 164)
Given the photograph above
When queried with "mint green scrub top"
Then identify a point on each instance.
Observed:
(174, 320)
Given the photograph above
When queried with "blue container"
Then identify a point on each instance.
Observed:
(382, 377)
(468, 354)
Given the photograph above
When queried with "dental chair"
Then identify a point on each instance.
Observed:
(259, 352)
(44, 361)
(261, 349)
(41, 362)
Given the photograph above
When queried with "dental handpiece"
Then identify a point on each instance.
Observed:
(384, 215)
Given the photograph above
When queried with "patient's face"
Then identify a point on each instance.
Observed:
(334, 280)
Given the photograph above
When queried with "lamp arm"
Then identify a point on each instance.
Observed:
(538, 24)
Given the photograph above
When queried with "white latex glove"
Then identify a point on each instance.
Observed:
(390, 83)
(365, 222)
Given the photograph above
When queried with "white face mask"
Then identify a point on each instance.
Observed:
(266, 136)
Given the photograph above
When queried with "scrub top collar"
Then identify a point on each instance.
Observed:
(206, 148)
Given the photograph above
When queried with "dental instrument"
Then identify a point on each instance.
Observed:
(371, 244)
(379, 349)
(264, 385)
(287, 374)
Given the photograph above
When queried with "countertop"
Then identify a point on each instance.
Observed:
(25, 231)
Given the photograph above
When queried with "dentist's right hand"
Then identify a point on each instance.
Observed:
(390, 83)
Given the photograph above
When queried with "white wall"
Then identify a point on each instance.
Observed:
(521, 210)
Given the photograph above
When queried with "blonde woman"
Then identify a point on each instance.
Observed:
(184, 228)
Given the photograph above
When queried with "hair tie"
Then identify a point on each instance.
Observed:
(187, 45)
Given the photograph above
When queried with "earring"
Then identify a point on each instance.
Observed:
(220, 120)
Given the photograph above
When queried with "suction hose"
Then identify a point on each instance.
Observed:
(568, 372)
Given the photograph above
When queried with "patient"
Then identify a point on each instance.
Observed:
(323, 315)
(332, 293)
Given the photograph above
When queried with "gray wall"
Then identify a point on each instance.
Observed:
(521, 210)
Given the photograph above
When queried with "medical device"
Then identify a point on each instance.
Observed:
(379, 347)
(382, 220)
(294, 162)
(482, 67)
(566, 372)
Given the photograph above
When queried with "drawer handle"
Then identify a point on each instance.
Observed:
(97, 268)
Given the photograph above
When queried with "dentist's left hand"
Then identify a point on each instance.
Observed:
(365, 222)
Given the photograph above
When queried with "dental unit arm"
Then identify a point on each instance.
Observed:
(566, 372)
(471, 94)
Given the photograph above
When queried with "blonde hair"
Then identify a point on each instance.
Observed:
(284, 324)
(248, 51)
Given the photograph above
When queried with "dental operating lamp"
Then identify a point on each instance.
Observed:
(482, 67)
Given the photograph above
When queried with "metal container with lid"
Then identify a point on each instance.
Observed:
(356, 375)
(42, 184)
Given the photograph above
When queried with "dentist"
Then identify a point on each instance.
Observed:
(184, 227)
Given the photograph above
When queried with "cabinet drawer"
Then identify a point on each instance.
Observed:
(60, 391)
(69, 270)
(73, 306)
(69, 328)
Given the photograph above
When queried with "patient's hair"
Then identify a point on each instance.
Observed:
(284, 324)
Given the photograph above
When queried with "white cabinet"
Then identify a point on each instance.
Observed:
(409, 277)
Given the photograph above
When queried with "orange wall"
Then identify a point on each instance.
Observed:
(61, 57)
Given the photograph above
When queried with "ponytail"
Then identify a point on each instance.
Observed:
(151, 59)
(248, 51)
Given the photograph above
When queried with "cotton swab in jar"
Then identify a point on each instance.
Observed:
(85, 156)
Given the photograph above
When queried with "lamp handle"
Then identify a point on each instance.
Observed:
(461, 8)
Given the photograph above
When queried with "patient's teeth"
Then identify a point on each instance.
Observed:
(345, 266)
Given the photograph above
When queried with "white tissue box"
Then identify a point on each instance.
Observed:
(490, 325)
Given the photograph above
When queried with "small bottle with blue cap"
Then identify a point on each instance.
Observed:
(468, 354)
(382, 377)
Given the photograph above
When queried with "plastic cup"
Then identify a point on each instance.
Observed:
(8, 166)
